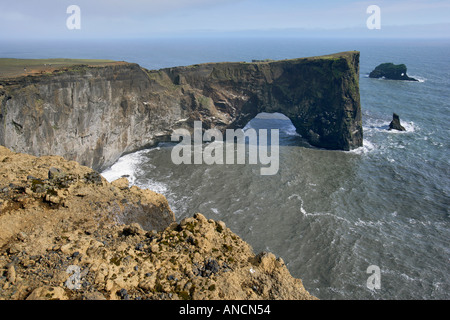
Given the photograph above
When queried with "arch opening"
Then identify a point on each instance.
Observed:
(287, 132)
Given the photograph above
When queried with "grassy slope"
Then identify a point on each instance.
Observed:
(22, 67)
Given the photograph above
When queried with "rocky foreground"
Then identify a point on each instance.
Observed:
(67, 233)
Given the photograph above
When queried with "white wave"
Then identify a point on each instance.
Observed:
(409, 127)
(383, 126)
(156, 186)
(323, 214)
(366, 148)
(419, 78)
(409, 278)
(369, 223)
(302, 210)
(314, 214)
(125, 166)
(294, 196)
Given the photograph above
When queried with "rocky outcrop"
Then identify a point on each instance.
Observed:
(66, 233)
(54, 188)
(88, 114)
(395, 123)
(95, 114)
(391, 71)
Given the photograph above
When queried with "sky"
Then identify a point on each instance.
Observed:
(46, 19)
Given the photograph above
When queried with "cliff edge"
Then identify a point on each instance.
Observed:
(94, 114)
(67, 233)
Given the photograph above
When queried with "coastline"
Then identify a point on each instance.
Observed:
(95, 114)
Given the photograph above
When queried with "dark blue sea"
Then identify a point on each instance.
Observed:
(329, 214)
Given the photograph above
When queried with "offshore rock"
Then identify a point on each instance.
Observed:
(93, 115)
(395, 123)
(391, 71)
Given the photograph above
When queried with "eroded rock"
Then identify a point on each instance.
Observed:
(395, 123)
(391, 71)
(83, 251)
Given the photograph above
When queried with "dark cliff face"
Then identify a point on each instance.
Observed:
(391, 71)
(91, 115)
(319, 95)
(94, 115)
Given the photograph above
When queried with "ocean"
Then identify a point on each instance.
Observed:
(329, 215)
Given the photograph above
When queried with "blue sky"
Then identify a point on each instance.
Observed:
(140, 18)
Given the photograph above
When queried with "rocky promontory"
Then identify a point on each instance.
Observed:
(95, 114)
(67, 233)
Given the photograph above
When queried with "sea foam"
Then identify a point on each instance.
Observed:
(124, 167)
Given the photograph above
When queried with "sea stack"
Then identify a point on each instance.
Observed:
(395, 123)
(391, 71)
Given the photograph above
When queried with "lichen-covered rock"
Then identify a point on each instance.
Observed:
(83, 251)
(48, 293)
(73, 193)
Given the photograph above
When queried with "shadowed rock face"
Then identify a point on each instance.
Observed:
(395, 123)
(94, 115)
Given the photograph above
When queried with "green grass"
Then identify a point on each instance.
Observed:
(16, 67)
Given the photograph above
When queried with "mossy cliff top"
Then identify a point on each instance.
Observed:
(13, 68)
(58, 217)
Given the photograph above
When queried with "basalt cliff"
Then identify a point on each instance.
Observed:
(93, 115)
